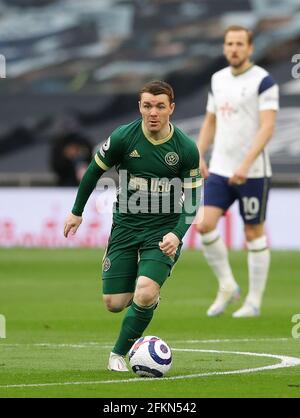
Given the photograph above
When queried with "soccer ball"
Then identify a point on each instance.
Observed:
(150, 356)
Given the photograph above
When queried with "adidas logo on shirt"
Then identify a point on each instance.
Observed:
(134, 154)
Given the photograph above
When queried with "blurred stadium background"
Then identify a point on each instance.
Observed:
(73, 69)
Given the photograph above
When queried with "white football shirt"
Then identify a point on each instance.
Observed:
(236, 101)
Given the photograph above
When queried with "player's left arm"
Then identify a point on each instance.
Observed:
(192, 188)
(263, 136)
(268, 105)
(190, 208)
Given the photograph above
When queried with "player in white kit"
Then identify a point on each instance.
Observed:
(240, 120)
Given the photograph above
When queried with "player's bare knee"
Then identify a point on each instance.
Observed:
(146, 294)
(113, 305)
(204, 227)
(253, 232)
(199, 228)
(249, 236)
(144, 297)
(114, 308)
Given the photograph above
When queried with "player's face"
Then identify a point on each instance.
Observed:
(156, 111)
(237, 49)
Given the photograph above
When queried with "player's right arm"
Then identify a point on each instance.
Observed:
(108, 156)
(207, 132)
(205, 139)
(87, 185)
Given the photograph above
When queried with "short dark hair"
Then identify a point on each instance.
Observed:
(237, 28)
(157, 87)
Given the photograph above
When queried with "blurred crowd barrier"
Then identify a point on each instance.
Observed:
(35, 218)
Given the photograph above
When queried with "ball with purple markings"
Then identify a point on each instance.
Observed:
(150, 357)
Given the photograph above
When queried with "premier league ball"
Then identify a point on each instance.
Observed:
(150, 356)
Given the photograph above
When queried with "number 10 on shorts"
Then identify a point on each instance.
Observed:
(2, 326)
(251, 207)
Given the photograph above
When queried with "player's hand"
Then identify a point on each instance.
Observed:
(239, 176)
(169, 244)
(72, 224)
(203, 168)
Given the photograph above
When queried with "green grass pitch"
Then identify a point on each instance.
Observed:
(59, 334)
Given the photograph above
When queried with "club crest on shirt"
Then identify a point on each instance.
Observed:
(171, 158)
(106, 264)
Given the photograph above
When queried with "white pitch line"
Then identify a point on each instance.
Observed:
(109, 344)
(235, 340)
(285, 362)
(60, 345)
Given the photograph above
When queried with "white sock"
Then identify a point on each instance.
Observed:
(258, 268)
(216, 254)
